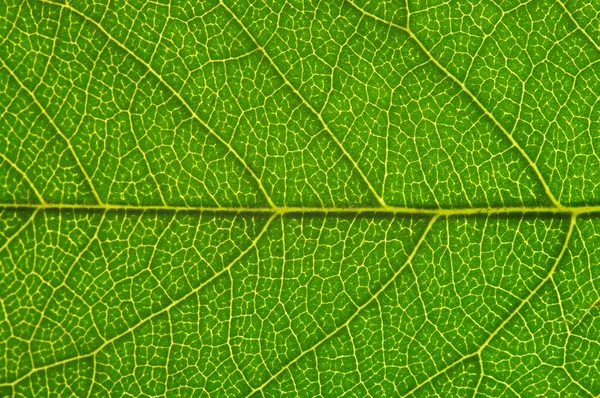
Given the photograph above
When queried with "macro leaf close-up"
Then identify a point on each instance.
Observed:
(299, 198)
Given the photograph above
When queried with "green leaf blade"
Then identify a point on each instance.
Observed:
(298, 198)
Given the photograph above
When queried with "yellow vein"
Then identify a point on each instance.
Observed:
(356, 313)
(310, 210)
(58, 130)
(538, 287)
(25, 177)
(143, 153)
(464, 88)
(194, 291)
(65, 280)
(572, 18)
(307, 104)
(175, 93)
(18, 232)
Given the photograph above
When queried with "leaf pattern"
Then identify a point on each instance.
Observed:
(299, 198)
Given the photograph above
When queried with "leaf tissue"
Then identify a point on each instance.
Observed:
(268, 198)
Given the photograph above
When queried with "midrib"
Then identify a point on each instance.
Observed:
(312, 210)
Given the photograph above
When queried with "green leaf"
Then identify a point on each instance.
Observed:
(299, 198)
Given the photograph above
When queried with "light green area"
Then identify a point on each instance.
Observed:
(299, 198)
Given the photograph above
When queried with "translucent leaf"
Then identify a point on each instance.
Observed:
(299, 198)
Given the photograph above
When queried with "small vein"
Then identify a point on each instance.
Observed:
(175, 93)
(58, 130)
(464, 88)
(574, 381)
(378, 197)
(505, 384)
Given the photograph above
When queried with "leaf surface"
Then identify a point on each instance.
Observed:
(299, 198)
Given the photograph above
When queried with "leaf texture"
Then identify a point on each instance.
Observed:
(299, 198)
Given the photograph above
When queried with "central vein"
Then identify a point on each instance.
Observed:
(312, 210)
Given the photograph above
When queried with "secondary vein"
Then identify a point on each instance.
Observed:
(58, 130)
(502, 325)
(175, 93)
(466, 90)
(377, 196)
(358, 311)
(167, 308)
